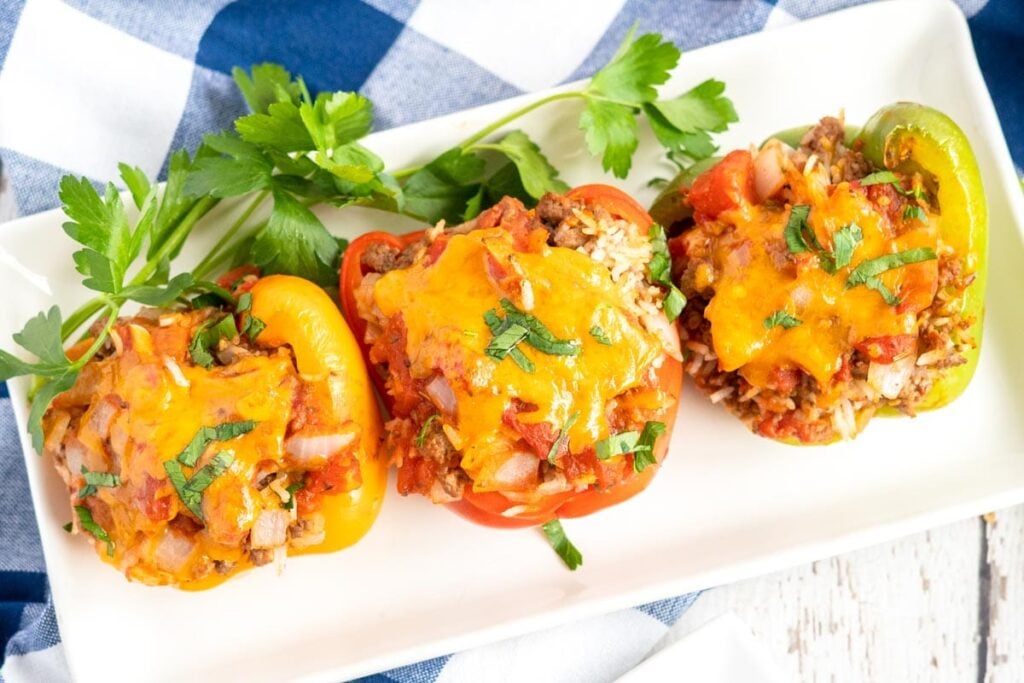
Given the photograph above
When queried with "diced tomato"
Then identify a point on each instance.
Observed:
(340, 474)
(416, 475)
(726, 186)
(232, 279)
(390, 349)
(887, 349)
(155, 506)
(784, 380)
(887, 200)
(435, 250)
(538, 435)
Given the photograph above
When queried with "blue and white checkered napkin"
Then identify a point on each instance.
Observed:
(85, 84)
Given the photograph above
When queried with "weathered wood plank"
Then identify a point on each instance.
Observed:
(1004, 532)
(903, 611)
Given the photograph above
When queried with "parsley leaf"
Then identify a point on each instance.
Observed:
(871, 268)
(796, 225)
(659, 270)
(616, 444)
(252, 326)
(421, 437)
(240, 168)
(675, 302)
(562, 440)
(610, 132)
(599, 334)
(207, 435)
(190, 490)
(880, 178)
(86, 521)
(635, 69)
(875, 283)
(269, 83)
(914, 212)
(206, 339)
(537, 334)
(292, 489)
(844, 242)
(535, 172)
(569, 553)
(99, 224)
(781, 319)
(643, 452)
(294, 241)
(95, 479)
(442, 188)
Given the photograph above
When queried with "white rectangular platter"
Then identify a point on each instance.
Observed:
(727, 505)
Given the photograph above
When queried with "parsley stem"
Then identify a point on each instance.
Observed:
(503, 121)
(204, 266)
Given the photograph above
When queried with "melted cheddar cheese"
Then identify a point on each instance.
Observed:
(442, 306)
(754, 275)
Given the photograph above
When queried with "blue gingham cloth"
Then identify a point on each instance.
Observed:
(87, 83)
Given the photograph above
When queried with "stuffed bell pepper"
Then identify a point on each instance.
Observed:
(528, 357)
(205, 440)
(833, 275)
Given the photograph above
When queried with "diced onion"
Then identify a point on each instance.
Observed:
(176, 374)
(313, 450)
(270, 529)
(519, 470)
(768, 175)
(440, 392)
(888, 379)
(173, 551)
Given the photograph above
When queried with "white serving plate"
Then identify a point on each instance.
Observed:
(726, 506)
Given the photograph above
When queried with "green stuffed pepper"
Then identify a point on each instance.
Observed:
(833, 275)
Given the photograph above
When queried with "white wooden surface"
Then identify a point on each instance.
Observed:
(945, 605)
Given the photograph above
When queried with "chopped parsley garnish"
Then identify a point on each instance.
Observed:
(640, 444)
(208, 337)
(675, 302)
(86, 521)
(569, 553)
(562, 439)
(616, 444)
(191, 490)
(914, 212)
(598, 334)
(252, 326)
(659, 272)
(797, 229)
(94, 479)
(292, 489)
(206, 435)
(207, 300)
(537, 334)
(781, 319)
(844, 242)
(643, 453)
(518, 327)
(421, 438)
(880, 178)
(866, 273)
(67, 527)
(800, 237)
(890, 178)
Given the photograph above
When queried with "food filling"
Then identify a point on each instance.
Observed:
(819, 288)
(521, 351)
(236, 478)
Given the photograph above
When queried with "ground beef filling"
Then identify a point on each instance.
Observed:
(437, 470)
(793, 406)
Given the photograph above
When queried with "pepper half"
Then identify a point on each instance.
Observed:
(933, 187)
(191, 456)
(490, 507)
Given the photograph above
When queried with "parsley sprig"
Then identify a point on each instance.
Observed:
(296, 150)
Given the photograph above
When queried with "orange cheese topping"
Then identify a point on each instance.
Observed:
(159, 400)
(754, 277)
(443, 304)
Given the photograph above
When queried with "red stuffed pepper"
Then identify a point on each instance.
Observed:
(527, 357)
